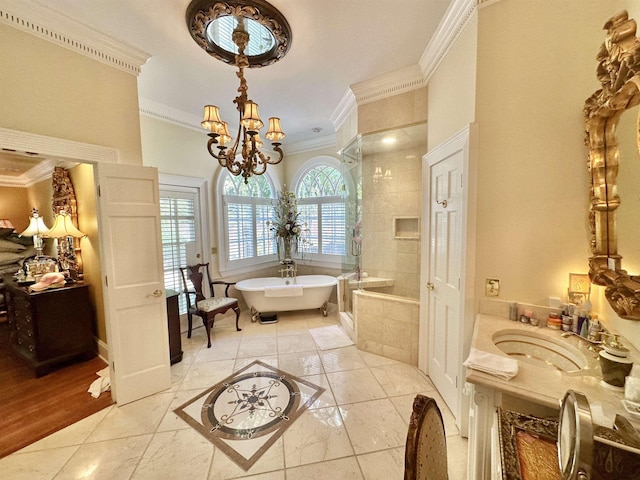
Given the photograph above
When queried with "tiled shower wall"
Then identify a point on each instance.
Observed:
(382, 201)
(387, 325)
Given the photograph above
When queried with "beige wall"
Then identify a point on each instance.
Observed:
(83, 184)
(532, 80)
(451, 101)
(15, 206)
(50, 90)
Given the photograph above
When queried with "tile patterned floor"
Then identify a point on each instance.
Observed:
(355, 430)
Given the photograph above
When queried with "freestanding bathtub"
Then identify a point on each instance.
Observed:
(276, 294)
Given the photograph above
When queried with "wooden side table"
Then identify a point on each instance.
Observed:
(173, 318)
(51, 327)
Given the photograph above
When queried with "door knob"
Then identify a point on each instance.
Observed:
(444, 203)
(197, 255)
(430, 286)
(156, 293)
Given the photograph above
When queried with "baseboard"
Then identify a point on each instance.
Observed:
(103, 350)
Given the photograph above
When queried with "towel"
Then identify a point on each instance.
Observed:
(283, 291)
(496, 365)
(102, 384)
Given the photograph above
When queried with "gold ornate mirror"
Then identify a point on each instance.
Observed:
(619, 74)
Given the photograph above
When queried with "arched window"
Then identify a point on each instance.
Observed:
(246, 208)
(320, 191)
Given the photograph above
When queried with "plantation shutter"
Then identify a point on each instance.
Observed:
(178, 226)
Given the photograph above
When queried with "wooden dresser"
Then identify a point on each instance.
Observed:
(52, 327)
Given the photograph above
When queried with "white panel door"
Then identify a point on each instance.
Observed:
(131, 258)
(444, 201)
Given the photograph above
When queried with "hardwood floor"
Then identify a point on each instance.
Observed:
(32, 408)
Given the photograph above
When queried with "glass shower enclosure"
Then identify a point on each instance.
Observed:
(351, 165)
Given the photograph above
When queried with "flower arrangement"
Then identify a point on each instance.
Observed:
(287, 228)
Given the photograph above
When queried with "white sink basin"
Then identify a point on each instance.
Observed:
(540, 350)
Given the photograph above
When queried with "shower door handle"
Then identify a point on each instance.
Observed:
(355, 248)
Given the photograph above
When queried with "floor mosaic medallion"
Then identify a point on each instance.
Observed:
(244, 414)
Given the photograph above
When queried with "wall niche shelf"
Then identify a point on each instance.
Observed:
(406, 228)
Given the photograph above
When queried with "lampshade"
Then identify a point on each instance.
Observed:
(6, 223)
(36, 227)
(64, 227)
(275, 133)
(251, 118)
(211, 120)
(224, 137)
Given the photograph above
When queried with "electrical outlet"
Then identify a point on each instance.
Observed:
(492, 287)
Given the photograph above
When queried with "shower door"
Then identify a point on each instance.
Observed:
(351, 160)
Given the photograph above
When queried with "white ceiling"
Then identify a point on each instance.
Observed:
(335, 44)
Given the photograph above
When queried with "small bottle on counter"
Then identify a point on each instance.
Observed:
(513, 311)
(554, 321)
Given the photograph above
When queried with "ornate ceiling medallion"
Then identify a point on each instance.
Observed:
(206, 17)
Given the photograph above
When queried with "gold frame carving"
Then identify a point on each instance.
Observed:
(64, 199)
(619, 74)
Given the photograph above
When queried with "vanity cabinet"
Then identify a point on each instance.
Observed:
(51, 327)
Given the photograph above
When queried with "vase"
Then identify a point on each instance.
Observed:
(285, 248)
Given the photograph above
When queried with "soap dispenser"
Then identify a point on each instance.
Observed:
(614, 362)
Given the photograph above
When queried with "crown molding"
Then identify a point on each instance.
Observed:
(453, 23)
(343, 110)
(388, 85)
(43, 22)
(326, 141)
(171, 115)
(42, 171)
(162, 112)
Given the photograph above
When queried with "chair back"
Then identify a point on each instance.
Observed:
(195, 273)
(426, 448)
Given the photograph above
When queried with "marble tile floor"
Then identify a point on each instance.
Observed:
(355, 430)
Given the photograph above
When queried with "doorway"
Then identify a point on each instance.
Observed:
(183, 223)
(446, 284)
(127, 192)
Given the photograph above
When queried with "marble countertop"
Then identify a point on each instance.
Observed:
(543, 385)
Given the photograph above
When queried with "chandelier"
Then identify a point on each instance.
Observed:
(241, 155)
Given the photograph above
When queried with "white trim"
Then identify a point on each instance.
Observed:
(388, 85)
(344, 109)
(316, 161)
(316, 143)
(103, 350)
(48, 24)
(162, 112)
(15, 140)
(453, 23)
(201, 185)
(466, 141)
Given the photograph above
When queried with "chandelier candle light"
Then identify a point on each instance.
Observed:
(249, 160)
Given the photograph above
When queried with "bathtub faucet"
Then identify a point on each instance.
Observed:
(288, 269)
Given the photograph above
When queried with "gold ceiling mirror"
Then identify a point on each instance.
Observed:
(619, 74)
